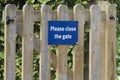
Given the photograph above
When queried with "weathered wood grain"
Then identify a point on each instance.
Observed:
(61, 69)
(95, 45)
(27, 42)
(78, 52)
(10, 43)
(46, 13)
(110, 65)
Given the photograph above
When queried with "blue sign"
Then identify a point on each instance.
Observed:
(63, 32)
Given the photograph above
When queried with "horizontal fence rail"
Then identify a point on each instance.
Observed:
(102, 37)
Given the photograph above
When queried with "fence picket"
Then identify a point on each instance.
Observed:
(102, 41)
(110, 42)
(103, 5)
(46, 12)
(61, 69)
(27, 42)
(94, 54)
(10, 42)
(78, 53)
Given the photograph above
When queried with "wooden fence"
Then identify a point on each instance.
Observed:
(102, 20)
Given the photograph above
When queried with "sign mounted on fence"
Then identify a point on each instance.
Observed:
(63, 32)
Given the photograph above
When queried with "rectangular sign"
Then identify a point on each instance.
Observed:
(63, 32)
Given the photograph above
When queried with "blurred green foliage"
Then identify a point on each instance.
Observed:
(1, 44)
(54, 4)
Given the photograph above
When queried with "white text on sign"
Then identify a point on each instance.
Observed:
(63, 37)
(68, 28)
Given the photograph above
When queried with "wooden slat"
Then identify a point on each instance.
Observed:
(102, 42)
(70, 15)
(102, 46)
(37, 16)
(37, 42)
(46, 13)
(78, 54)
(19, 25)
(19, 22)
(27, 42)
(94, 54)
(10, 43)
(61, 70)
(102, 5)
(69, 74)
(87, 15)
(110, 42)
(69, 71)
(54, 16)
